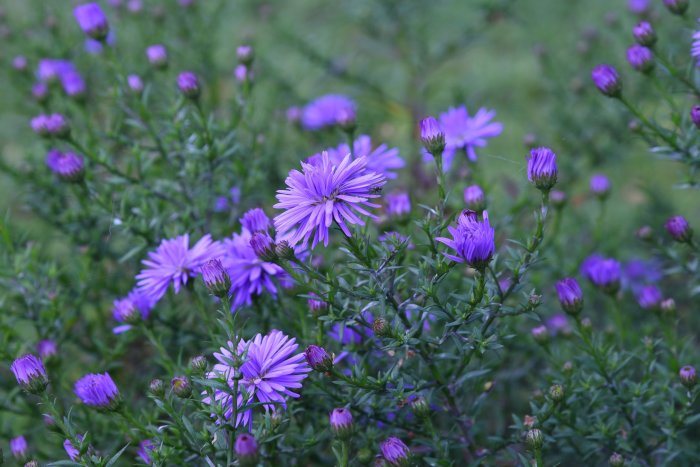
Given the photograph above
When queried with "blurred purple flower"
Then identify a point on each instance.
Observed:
(638, 7)
(68, 166)
(604, 273)
(607, 80)
(144, 451)
(157, 55)
(46, 348)
(600, 185)
(94, 47)
(135, 302)
(649, 297)
(325, 111)
(398, 204)
(18, 447)
(637, 273)
(381, 159)
(92, 20)
(463, 132)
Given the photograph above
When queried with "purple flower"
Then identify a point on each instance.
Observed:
(30, 373)
(688, 376)
(637, 273)
(246, 448)
(40, 91)
(98, 391)
(72, 451)
(381, 160)
(604, 273)
(73, 83)
(432, 136)
(463, 132)
(18, 447)
(318, 359)
(315, 304)
(68, 166)
(542, 168)
(135, 84)
(472, 240)
(649, 297)
(325, 193)
(215, 278)
(175, 262)
(46, 348)
(644, 34)
(640, 58)
(346, 335)
(19, 63)
(255, 220)
(325, 111)
(54, 125)
(679, 229)
(134, 6)
(677, 7)
(270, 373)
(395, 451)
(144, 451)
(540, 334)
(474, 198)
(50, 69)
(557, 323)
(570, 295)
(638, 7)
(600, 185)
(188, 84)
(242, 73)
(341, 421)
(557, 198)
(157, 55)
(244, 54)
(92, 20)
(135, 307)
(607, 80)
(695, 110)
(93, 46)
(293, 114)
(398, 204)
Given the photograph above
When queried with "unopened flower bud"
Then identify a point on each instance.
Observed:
(570, 295)
(607, 80)
(556, 392)
(540, 334)
(263, 246)
(645, 233)
(284, 250)
(688, 376)
(668, 305)
(568, 367)
(181, 386)
(157, 387)
(381, 327)
(534, 439)
(30, 373)
(474, 198)
(395, 452)
(318, 358)
(215, 278)
(198, 364)
(616, 460)
(641, 58)
(600, 186)
(677, 7)
(542, 168)
(246, 449)
(135, 84)
(244, 53)
(341, 422)
(157, 55)
(347, 119)
(644, 34)
(695, 115)
(432, 136)
(188, 84)
(420, 407)
(679, 229)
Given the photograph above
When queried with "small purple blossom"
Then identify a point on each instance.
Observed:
(92, 20)
(144, 451)
(95, 47)
(638, 7)
(136, 306)
(73, 83)
(689, 376)
(98, 391)
(604, 273)
(246, 448)
(244, 54)
(318, 359)
(325, 193)
(135, 84)
(188, 84)
(395, 451)
(679, 229)
(40, 91)
(472, 240)
(649, 297)
(398, 204)
(644, 34)
(18, 447)
(695, 111)
(68, 166)
(600, 185)
(242, 73)
(557, 323)
(432, 136)
(46, 348)
(30, 373)
(157, 55)
(72, 451)
(474, 198)
(341, 421)
(607, 80)
(542, 168)
(570, 295)
(174, 262)
(19, 63)
(677, 7)
(640, 58)
(325, 111)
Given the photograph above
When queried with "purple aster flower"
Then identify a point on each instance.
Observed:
(318, 359)
(679, 229)
(246, 449)
(19, 63)
(688, 375)
(242, 73)
(68, 166)
(325, 111)
(600, 186)
(255, 220)
(474, 198)
(382, 159)
(432, 136)
(135, 307)
(677, 7)
(135, 84)
(638, 7)
(92, 20)
(695, 111)
(50, 69)
(188, 84)
(463, 132)
(157, 55)
(270, 373)
(341, 421)
(18, 447)
(175, 262)
(293, 114)
(542, 168)
(649, 297)
(540, 334)
(316, 305)
(644, 34)
(604, 273)
(72, 451)
(472, 240)
(557, 323)
(98, 391)
(54, 125)
(570, 295)
(46, 348)
(73, 83)
(640, 58)
(398, 204)
(30, 373)
(144, 451)
(607, 80)
(395, 451)
(325, 193)
(637, 273)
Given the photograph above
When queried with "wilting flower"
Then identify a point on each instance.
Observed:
(157, 55)
(325, 193)
(175, 262)
(644, 34)
(144, 451)
(604, 273)
(640, 58)
(382, 160)
(188, 84)
(46, 348)
(607, 80)
(341, 422)
(18, 447)
(398, 204)
(98, 391)
(270, 373)
(679, 229)
(92, 20)
(395, 451)
(325, 111)
(570, 295)
(69, 166)
(472, 240)
(135, 307)
(600, 185)
(649, 297)
(30, 373)
(474, 198)
(542, 168)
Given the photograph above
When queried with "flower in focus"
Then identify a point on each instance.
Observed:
(318, 359)
(607, 80)
(98, 391)
(689, 376)
(92, 20)
(135, 307)
(174, 262)
(649, 297)
(542, 168)
(465, 132)
(270, 373)
(341, 422)
(570, 295)
(382, 160)
(395, 451)
(604, 273)
(325, 111)
(398, 204)
(324, 193)
(18, 447)
(30, 373)
(215, 278)
(432, 136)
(679, 229)
(472, 240)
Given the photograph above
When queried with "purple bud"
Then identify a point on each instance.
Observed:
(542, 168)
(134, 6)
(294, 115)
(241, 73)
(92, 20)
(649, 297)
(688, 376)
(135, 84)
(98, 391)
(246, 449)
(157, 55)
(677, 7)
(695, 115)
(19, 63)
(395, 451)
(341, 422)
(679, 229)
(73, 84)
(570, 295)
(18, 447)
(181, 386)
(645, 233)
(47, 349)
(557, 198)
(398, 204)
(315, 305)
(432, 136)
(244, 53)
(346, 118)
(40, 91)
(215, 278)
(474, 198)
(144, 451)
(188, 84)
(72, 451)
(638, 7)
(600, 186)
(68, 166)
(540, 334)
(30, 373)
(604, 273)
(641, 58)
(644, 34)
(607, 80)
(263, 246)
(318, 358)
